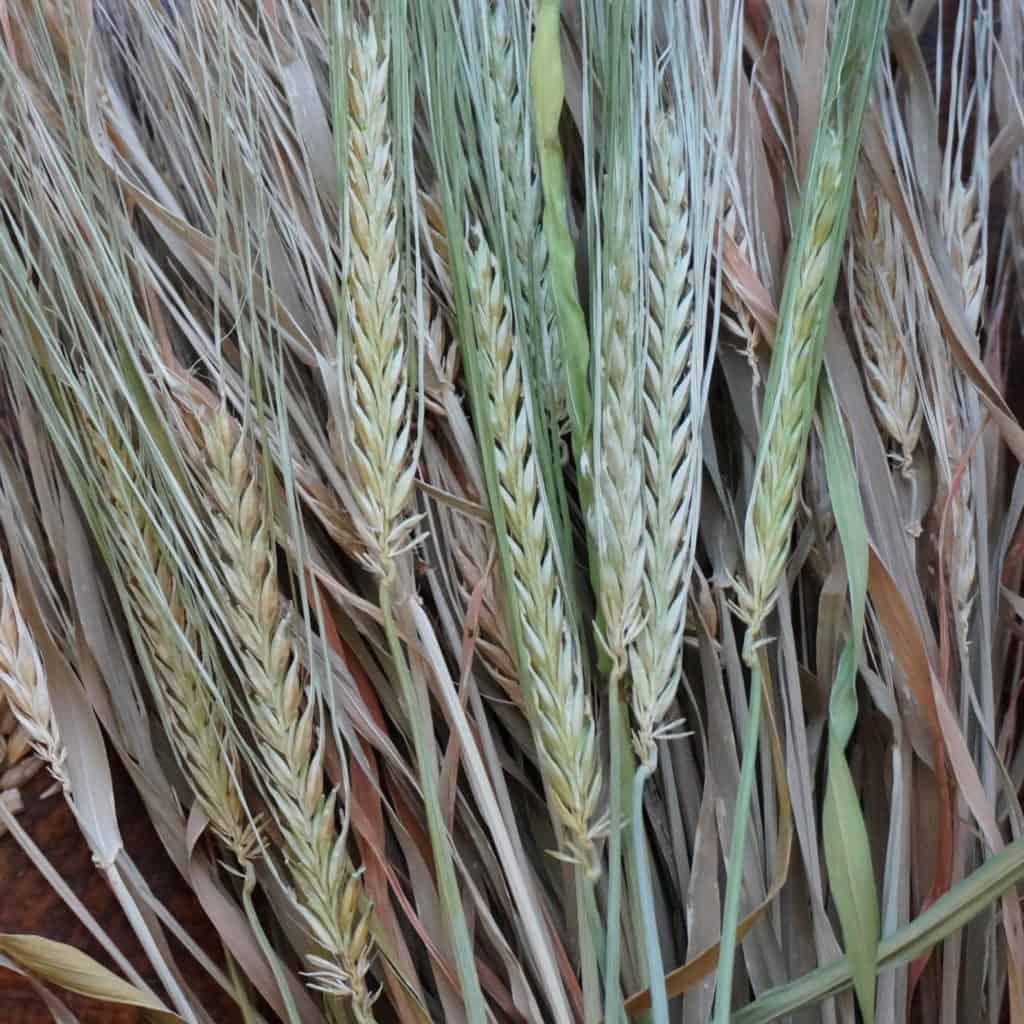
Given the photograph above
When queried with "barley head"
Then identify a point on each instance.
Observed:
(550, 664)
(376, 370)
(169, 644)
(786, 425)
(522, 196)
(283, 713)
(617, 512)
(671, 426)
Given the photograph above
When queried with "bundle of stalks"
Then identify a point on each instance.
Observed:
(496, 474)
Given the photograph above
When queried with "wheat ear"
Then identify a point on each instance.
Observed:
(376, 369)
(550, 659)
(785, 428)
(670, 436)
(168, 643)
(23, 680)
(617, 513)
(283, 713)
(524, 205)
(884, 317)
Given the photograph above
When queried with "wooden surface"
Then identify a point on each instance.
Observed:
(28, 905)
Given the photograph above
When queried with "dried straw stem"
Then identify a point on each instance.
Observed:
(23, 680)
(283, 712)
(884, 313)
(550, 659)
(670, 443)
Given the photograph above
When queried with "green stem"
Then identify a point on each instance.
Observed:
(268, 951)
(612, 986)
(239, 990)
(585, 903)
(734, 873)
(447, 882)
(652, 940)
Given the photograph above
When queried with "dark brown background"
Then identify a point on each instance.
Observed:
(29, 905)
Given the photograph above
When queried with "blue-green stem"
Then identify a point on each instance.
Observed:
(239, 989)
(737, 849)
(645, 890)
(613, 1009)
(426, 764)
(586, 906)
(268, 951)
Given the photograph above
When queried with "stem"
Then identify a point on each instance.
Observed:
(172, 924)
(266, 949)
(652, 940)
(148, 943)
(239, 989)
(734, 872)
(588, 948)
(448, 886)
(613, 1008)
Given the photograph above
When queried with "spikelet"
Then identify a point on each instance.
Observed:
(283, 712)
(560, 708)
(375, 373)
(884, 314)
(671, 448)
(785, 427)
(23, 680)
